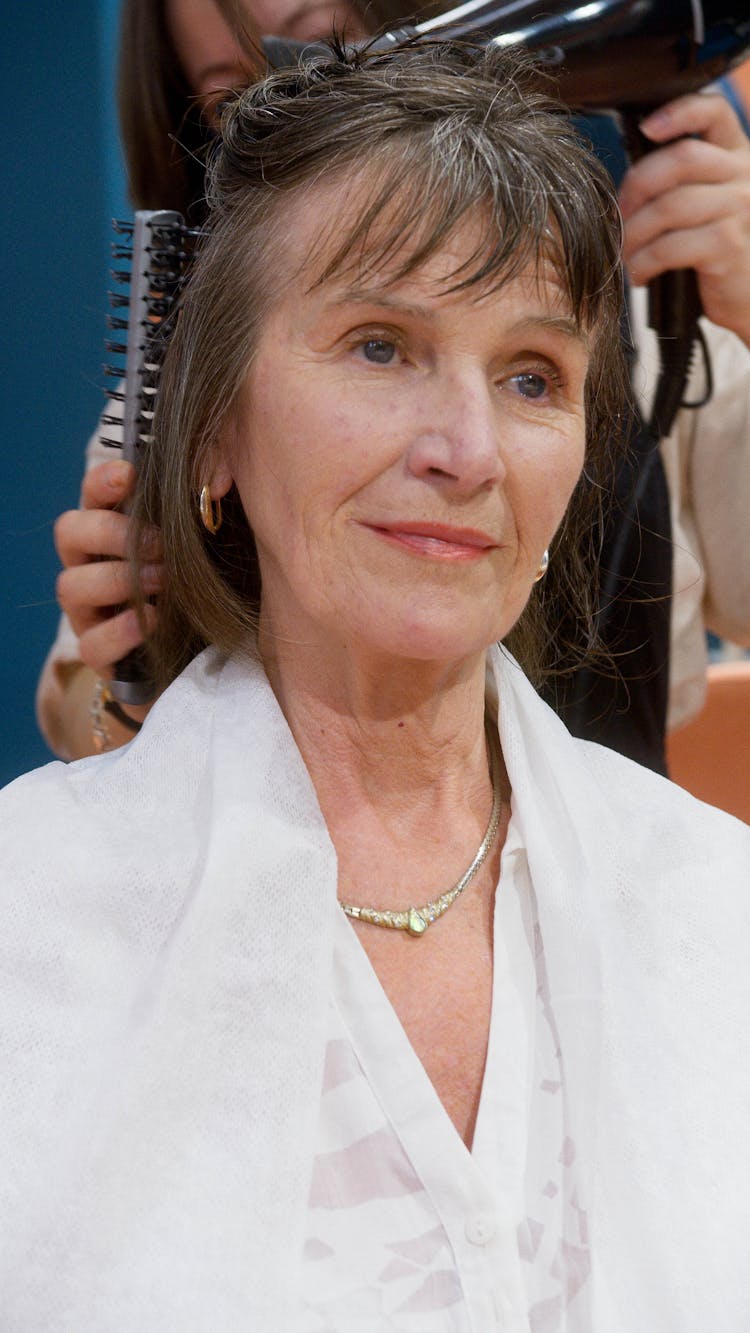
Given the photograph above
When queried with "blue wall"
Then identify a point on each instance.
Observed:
(62, 182)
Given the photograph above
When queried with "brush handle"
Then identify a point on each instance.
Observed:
(132, 683)
(153, 258)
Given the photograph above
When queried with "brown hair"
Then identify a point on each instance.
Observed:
(164, 125)
(446, 131)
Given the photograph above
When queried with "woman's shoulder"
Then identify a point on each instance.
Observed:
(629, 823)
(675, 841)
(83, 823)
(99, 856)
(626, 782)
(173, 730)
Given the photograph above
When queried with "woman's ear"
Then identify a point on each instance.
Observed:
(220, 479)
(218, 475)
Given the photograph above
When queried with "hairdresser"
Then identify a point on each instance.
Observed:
(685, 204)
(689, 199)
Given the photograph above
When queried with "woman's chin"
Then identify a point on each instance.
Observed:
(369, 621)
(427, 638)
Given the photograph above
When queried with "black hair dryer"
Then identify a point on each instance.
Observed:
(625, 55)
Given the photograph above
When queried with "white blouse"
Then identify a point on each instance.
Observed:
(164, 998)
(409, 1231)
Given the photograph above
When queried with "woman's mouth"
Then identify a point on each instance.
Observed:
(436, 541)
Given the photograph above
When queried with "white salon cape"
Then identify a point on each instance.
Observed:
(166, 944)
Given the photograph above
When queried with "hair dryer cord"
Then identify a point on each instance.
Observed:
(673, 313)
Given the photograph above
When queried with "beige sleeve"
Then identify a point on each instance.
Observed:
(719, 492)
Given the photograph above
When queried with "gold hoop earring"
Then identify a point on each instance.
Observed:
(210, 511)
(543, 567)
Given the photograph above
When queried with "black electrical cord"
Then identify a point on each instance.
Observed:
(674, 308)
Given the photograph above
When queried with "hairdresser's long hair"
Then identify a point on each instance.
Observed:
(165, 130)
(164, 126)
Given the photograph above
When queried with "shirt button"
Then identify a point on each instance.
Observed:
(480, 1229)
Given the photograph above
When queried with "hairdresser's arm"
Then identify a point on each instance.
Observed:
(91, 542)
(687, 205)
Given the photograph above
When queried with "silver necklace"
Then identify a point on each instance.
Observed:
(415, 920)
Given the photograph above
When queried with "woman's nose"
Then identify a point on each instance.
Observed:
(458, 439)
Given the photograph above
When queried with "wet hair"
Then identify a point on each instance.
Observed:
(451, 135)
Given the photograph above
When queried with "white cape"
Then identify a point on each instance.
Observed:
(165, 956)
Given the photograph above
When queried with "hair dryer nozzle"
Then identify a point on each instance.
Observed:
(604, 53)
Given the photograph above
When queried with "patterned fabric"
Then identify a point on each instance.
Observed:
(407, 1230)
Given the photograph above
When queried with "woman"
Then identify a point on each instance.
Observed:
(658, 645)
(236, 1095)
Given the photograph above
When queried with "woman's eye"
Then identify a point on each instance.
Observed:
(379, 350)
(531, 385)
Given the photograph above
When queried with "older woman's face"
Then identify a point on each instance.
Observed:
(404, 456)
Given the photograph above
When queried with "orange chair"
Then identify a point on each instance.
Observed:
(710, 757)
(741, 79)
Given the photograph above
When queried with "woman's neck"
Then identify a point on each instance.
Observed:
(378, 730)
(398, 755)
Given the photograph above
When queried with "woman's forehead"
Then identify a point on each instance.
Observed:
(427, 295)
(432, 286)
(341, 233)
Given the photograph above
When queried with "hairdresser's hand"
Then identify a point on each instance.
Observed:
(687, 205)
(91, 543)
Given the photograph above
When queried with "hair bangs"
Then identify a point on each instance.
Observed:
(417, 193)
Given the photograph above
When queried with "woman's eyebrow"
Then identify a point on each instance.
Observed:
(564, 324)
(377, 297)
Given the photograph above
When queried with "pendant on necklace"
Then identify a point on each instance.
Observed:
(416, 924)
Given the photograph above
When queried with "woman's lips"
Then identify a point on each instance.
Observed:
(436, 540)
